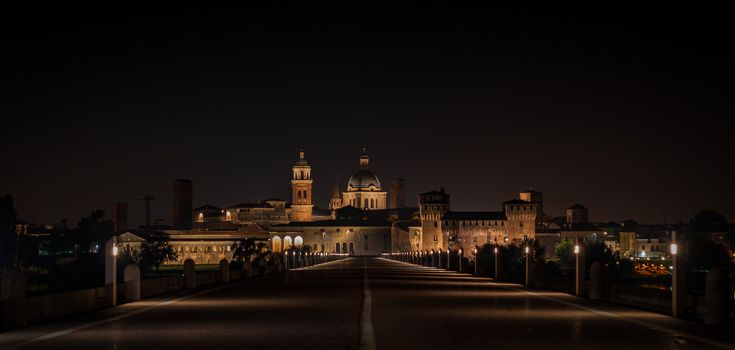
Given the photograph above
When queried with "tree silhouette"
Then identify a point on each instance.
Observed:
(155, 251)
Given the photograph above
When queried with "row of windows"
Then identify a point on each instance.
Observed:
(434, 207)
(518, 207)
(205, 249)
(302, 194)
(300, 175)
(653, 248)
(474, 223)
(371, 203)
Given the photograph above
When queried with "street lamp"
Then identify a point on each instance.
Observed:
(579, 279)
(474, 251)
(114, 274)
(285, 259)
(678, 279)
(497, 263)
(459, 256)
(528, 265)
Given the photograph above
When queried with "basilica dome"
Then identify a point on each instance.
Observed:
(364, 179)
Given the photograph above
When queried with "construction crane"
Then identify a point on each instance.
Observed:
(147, 198)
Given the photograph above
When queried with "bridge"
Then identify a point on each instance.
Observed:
(369, 303)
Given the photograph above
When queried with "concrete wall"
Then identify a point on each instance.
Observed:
(152, 287)
(65, 304)
(648, 298)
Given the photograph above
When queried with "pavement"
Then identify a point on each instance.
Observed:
(369, 303)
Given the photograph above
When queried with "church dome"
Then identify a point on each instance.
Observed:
(363, 180)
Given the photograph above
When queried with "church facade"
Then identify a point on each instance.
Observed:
(364, 190)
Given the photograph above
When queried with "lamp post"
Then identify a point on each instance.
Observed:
(448, 259)
(678, 279)
(460, 260)
(114, 274)
(285, 259)
(497, 263)
(527, 250)
(474, 251)
(579, 278)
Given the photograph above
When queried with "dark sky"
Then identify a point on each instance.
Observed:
(624, 111)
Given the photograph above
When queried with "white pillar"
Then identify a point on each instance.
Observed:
(678, 276)
(111, 269)
(579, 271)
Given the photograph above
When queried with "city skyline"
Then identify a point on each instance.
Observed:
(628, 118)
(162, 203)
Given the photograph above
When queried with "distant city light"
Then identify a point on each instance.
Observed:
(674, 248)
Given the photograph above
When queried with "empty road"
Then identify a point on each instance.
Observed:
(369, 303)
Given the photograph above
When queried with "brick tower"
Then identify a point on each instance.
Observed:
(301, 184)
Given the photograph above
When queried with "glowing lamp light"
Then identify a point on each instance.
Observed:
(527, 249)
(576, 249)
(495, 250)
(460, 251)
(114, 249)
(674, 249)
(474, 250)
(447, 251)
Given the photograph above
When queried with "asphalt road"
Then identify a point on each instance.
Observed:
(369, 303)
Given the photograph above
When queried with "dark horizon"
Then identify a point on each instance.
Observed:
(624, 113)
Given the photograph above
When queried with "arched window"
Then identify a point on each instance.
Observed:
(344, 247)
(287, 243)
(298, 242)
(298, 193)
(336, 248)
(366, 202)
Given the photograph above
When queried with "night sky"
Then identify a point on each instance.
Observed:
(623, 111)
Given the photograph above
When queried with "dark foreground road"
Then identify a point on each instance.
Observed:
(369, 303)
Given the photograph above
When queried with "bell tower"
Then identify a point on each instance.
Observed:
(301, 185)
(336, 201)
